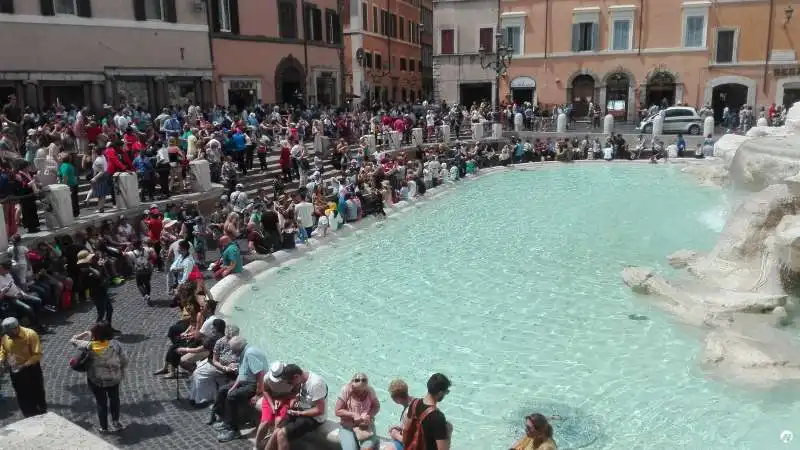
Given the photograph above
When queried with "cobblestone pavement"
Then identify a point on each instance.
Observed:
(154, 419)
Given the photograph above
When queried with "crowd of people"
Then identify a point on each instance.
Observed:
(224, 372)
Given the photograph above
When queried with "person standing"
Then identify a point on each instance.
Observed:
(67, 175)
(143, 256)
(426, 426)
(106, 369)
(21, 351)
(97, 277)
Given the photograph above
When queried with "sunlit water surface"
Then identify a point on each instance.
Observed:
(511, 286)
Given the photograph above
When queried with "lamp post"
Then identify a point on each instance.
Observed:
(788, 13)
(498, 61)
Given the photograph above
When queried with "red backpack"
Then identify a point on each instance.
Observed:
(413, 433)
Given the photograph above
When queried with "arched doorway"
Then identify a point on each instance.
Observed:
(582, 95)
(290, 81)
(660, 89)
(732, 95)
(617, 89)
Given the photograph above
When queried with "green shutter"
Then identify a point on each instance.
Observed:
(576, 37)
(595, 36)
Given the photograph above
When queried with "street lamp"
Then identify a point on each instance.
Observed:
(788, 13)
(497, 61)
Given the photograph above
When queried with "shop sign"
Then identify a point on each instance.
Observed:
(787, 71)
(523, 83)
(243, 85)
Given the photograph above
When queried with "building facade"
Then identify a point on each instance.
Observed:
(459, 30)
(276, 51)
(384, 49)
(627, 55)
(93, 52)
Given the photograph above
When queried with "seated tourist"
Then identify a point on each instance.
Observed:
(249, 382)
(215, 371)
(538, 434)
(356, 408)
(201, 337)
(310, 412)
(16, 301)
(276, 400)
(398, 391)
(182, 267)
(256, 241)
(181, 334)
(230, 260)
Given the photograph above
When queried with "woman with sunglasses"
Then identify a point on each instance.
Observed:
(538, 434)
(356, 408)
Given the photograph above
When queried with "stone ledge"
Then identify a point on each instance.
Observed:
(52, 432)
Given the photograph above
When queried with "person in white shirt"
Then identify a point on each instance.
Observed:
(297, 152)
(239, 199)
(121, 122)
(310, 411)
(304, 214)
(191, 145)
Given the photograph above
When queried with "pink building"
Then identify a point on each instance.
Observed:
(276, 51)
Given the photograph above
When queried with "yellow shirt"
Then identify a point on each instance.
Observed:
(527, 444)
(22, 350)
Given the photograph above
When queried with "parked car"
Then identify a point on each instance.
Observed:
(677, 119)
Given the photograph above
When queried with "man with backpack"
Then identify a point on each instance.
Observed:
(426, 427)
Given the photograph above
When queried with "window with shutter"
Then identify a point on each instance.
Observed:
(316, 22)
(448, 42)
(364, 17)
(403, 64)
(375, 20)
(585, 36)
(66, 7)
(155, 9)
(726, 44)
(411, 67)
(486, 42)
(332, 26)
(378, 61)
(694, 31)
(139, 10)
(83, 8)
(401, 29)
(6, 6)
(170, 11)
(221, 10)
(393, 27)
(287, 19)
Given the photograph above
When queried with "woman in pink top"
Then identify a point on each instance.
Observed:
(356, 409)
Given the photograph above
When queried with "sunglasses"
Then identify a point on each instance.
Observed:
(359, 380)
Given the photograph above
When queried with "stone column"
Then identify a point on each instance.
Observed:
(109, 94)
(160, 84)
(97, 95)
(31, 94)
(208, 92)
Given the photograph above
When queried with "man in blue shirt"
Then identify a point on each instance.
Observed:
(144, 168)
(231, 258)
(249, 383)
(239, 143)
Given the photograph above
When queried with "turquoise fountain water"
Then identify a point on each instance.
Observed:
(511, 286)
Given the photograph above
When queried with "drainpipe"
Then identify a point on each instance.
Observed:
(641, 18)
(546, 26)
(769, 43)
(210, 21)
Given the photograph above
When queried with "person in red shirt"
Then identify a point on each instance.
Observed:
(155, 224)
